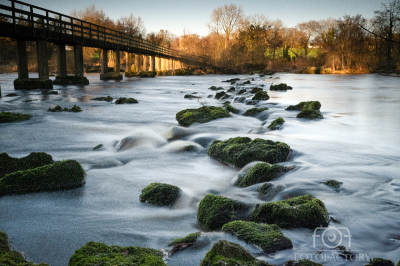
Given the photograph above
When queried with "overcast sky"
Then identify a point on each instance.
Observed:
(177, 15)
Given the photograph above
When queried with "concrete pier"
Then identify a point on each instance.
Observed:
(115, 75)
(62, 61)
(42, 60)
(78, 58)
(22, 60)
(152, 63)
(145, 62)
(128, 66)
(158, 64)
(137, 63)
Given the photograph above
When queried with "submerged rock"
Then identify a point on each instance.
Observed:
(215, 211)
(230, 254)
(303, 262)
(379, 262)
(280, 87)
(98, 147)
(160, 194)
(261, 96)
(201, 115)
(56, 176)
(191, 238)
(256, 89)
(266, 236)
(11, 257)
(94, 253)
(312, 105)
(261, 172)
(106, 99)
(213, 88)
(124, 100)
(303, 211)
(254, 111)
(333, 184)
(240, 151)
(59, 109)
(231, 109)
(276, 123)
(49, 92)
(9, 117)
(310, 114)
(241, 91)
(10, 165)
(177, 132)
(219, 95)
(190, 96)
(231, 89)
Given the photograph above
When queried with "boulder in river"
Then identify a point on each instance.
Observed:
(123, 100)
(333, 184)
(201, 115)
(231, 89)
(240, 151)
(94, 253)
(213, 88)
(56, 176)
(254, 111)
(9, 117)
(310, 114)
(231, 109)
(266, 236)
(304, 211)
(276, 123)
(160, 194)
(10, 165)
(261, 96)
(256, 89)
(189, 239)
(106, 99)
(260, 173)
(190, 96)
(280, 87)
(230, 254)
(219, 95)
(312, 105)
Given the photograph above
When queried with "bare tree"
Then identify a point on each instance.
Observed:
(307, 31)
(225, 19)
(132, 26)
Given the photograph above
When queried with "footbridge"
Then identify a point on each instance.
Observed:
(26, 22)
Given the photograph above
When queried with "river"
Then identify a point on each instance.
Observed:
(356, 143)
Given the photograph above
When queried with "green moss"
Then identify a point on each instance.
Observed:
(380, 262)
(124, 100)
(49, 92)
(201, 115)
(59, 109)
(191, 238)
(310, 114)
(10, 257)
(276, 123)
(265, 188)
(11, 95)
(213, 88)
(240, 151)
(256, 89)
(189, 96)
(75, 109)
(261, 172)
(266, 236)
(303, 211)
(312, 105)
(254, 111)
(231, 109)
(9, 117)
(280, 87)
(215, 211)
(98, 147)
(10, 165)
(106, 99)
(94, 253)
(59, 175)
(160, 194)
(71, 80)
(230, 254)
(333, 183)
(219, 95)
(55, 109)
(261, 96)
(303, 262)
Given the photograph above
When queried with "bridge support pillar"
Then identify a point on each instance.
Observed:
(145, 62)
(105, 75)
(24, 82)
(62, 61)
(137, 63)
(159, 64)
(128, 67)
(164, 64)
(152, 63)
(78, 54)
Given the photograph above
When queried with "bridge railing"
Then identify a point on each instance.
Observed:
(22, 20)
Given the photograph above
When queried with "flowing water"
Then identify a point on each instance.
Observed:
(356, 143)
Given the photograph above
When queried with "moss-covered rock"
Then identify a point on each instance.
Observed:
(276, 123)
(241, 91)
(231, 89)
(191, 238)
(261, 172)
(201, 115)
(60, 109)
(55, 109)
(333, 184)
(256, 89)
(310, 114)
(75, 109)
(9, 117)
(265, 188)
(124, 100)
(266, 236)
(230, 254)
(246, 82)
(190, 96)
(98, 147)
(231, 109)
(213, 88)
(312, 105)
(160, 194)
(10, 165)
(280, 87)
(56, 176)
(148, 74)
(106, 99)
(254, 111)
(94, 253)
(240, 151)
(219, 95)
(71, 80)
(379, 262)
(10, 257)
(215, 211)
(261, 96)
(303, 262)
(303, 211)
